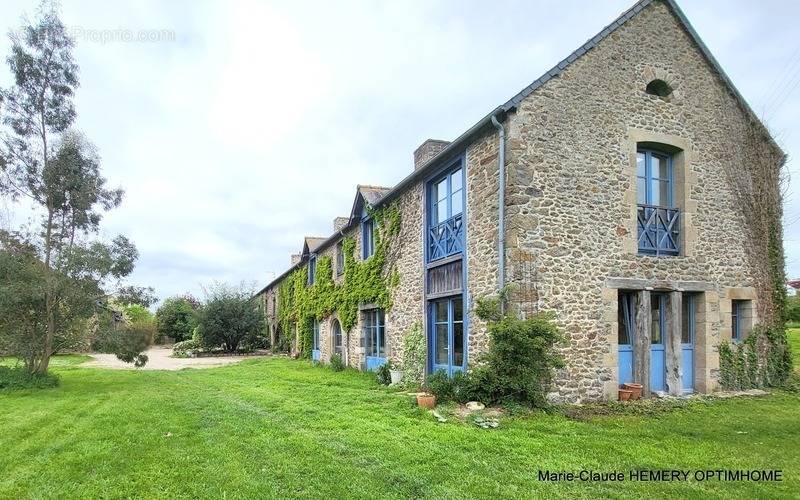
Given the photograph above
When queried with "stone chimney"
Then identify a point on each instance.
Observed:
(428, 151)
(295, 258)
(340, 222)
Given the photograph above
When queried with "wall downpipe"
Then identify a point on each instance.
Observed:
(501, 236)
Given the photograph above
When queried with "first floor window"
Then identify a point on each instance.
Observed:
(312, 269)
(367, 239)
(374, 333)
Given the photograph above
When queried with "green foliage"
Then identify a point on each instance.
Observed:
(14, 378)
(187, 348)
(414, 355)
(136, 295)
(139, 314)
(299, 304)
(127, 341)
(176, 318)
(763, 359)
(230, 319)
(521, 359)
(459, 387)
(337, 363)
(793, 308)
(383, 373)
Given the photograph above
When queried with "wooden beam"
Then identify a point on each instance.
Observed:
(642, 284)
(672, 347)
(641, 342)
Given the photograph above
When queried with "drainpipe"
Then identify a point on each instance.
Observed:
(501, 237)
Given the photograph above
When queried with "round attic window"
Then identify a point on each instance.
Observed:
(658, 88)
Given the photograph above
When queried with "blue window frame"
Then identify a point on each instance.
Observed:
(367, 238)
(658, 221)
(316, 353)
(737, 327)
(626, 326)
(374, 336)
(447, 340)
(446, 197)
(312, 269)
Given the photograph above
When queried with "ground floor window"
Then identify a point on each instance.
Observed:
(737, 319)
(447, 333)
(374, 335)
(315, 349)
(337, 338)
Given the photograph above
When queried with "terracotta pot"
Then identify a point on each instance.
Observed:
(636, 389)
(426, 401)
(625, 394)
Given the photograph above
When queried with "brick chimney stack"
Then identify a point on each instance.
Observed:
(428, 151)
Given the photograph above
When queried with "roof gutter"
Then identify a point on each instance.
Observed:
(501, 203)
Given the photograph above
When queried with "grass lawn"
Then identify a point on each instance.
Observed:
(793, 336)
(275, 427)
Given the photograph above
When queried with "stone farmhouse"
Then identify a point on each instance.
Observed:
(616, 191)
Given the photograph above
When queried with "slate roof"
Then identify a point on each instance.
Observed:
(312, 243)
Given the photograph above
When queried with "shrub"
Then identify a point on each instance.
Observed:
(177, 318)
(459, 387)
(337, 363)
(521, 359)
(127, 342)
(384, 377)
(230, 319)
(793, 308)
(14, 378)
(187, 348)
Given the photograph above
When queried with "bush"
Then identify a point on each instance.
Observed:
(521, 359)
(230, 319)
(384, 377)
(459, 387)
(187, 348)
(337, 363)
(127, 342)
(177, 318)
(18, 378)
(793, 308)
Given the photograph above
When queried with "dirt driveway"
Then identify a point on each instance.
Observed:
(159, 359)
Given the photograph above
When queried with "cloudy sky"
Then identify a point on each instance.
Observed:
(238, 127)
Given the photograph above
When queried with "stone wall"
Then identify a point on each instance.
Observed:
(572, 198)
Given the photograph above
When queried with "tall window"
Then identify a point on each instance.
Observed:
(312, 269)
(658, 222)
(446, 207)
(367, 238)
(654, 179)
(339, 259)
(737, 319)
(374, 333)
(337, 338)
(315, 346)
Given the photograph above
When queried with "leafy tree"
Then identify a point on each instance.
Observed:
(138, 314)
(230, 319)
(136, 295)
(59, 270)
(177, 318)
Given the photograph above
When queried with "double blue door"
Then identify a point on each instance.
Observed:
(447, 334)
(658, 332)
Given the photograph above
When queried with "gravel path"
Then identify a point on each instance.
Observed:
(159, 359)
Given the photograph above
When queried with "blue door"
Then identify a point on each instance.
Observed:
(447, 334)
(374, 339)
(658, 369)
(625, 331)
(687, 343)
(316, 353)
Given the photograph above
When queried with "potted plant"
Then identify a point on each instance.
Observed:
(636, 390)
(395, 373)
(426, 400)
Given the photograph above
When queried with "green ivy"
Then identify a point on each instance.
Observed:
(763, 359)
(363, 282)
